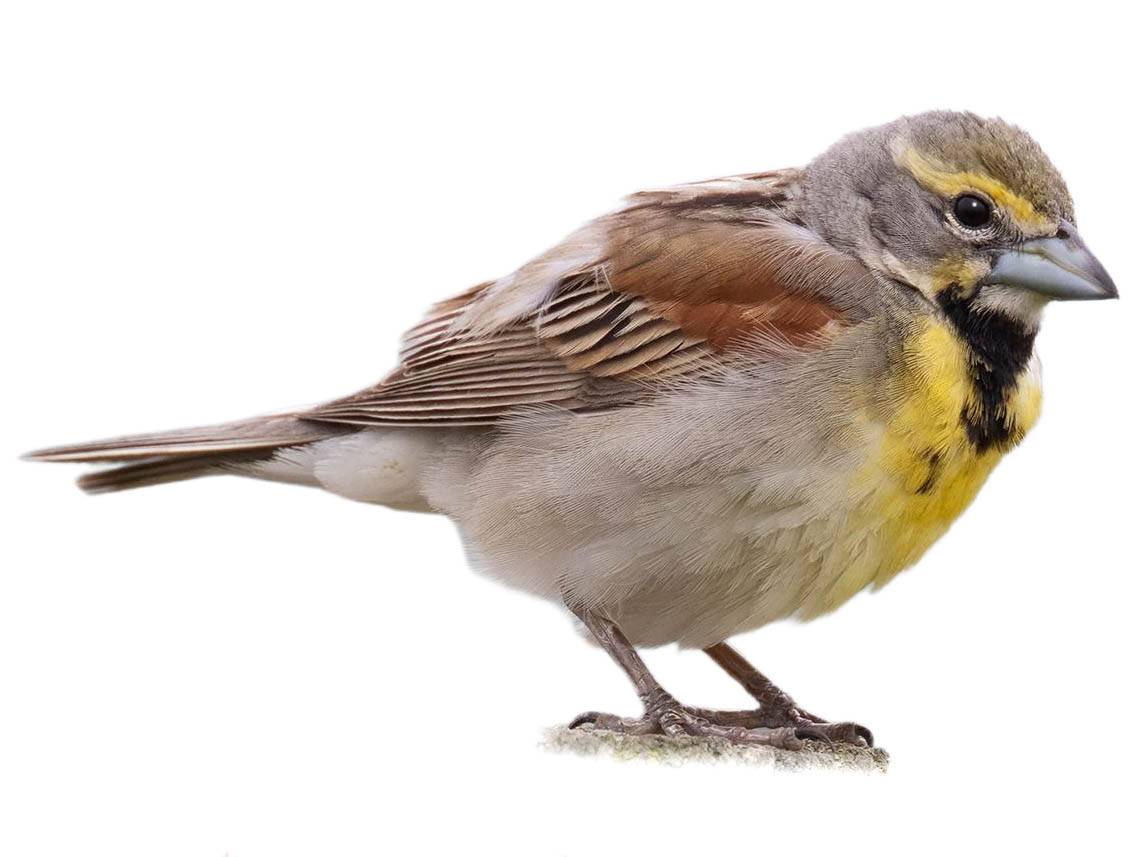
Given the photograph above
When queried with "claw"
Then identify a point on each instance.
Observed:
(613, 723)
(588, 717)
(848, 733)
(812, 733)
(787, 738)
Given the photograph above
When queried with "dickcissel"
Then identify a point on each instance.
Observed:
(724, 404)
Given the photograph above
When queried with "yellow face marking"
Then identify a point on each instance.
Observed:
(950, 183)
(957, 269)
(923, 471)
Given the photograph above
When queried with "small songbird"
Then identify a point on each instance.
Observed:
(724, 404)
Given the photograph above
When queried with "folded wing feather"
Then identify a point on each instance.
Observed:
(661, 289)
(679, 281)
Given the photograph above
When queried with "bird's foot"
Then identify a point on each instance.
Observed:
(665, 715)
(776, 709)
(806, 726)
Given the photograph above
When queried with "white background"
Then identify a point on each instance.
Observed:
(211, 210)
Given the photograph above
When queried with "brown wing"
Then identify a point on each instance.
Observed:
(664, 288)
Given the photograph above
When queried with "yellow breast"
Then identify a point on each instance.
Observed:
(923, 470)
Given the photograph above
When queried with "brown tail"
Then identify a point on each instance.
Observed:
(151, 459)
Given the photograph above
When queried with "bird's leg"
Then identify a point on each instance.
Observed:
(662, 713)
(775, 707)
(771, 698)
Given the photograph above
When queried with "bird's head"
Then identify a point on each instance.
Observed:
(967, 211)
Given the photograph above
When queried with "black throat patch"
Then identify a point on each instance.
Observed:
(999, 348)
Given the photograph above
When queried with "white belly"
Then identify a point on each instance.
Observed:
(677, 538)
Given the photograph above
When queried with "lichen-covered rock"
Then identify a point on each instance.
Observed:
(587, 741)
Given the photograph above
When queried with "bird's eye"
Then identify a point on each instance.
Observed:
(971, 211)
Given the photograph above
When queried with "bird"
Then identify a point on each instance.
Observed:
(721, 405)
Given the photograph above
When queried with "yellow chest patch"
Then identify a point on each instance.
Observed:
(924, 470)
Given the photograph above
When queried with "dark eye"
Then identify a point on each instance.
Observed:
(971, 211)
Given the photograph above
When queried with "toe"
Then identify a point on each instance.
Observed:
(615, 723)
(676, 724)
(846, 733)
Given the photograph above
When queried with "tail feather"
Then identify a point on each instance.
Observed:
(151, 459)
(260, 433)
(144, 473)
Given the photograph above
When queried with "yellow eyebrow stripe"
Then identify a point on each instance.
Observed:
(950, 184)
